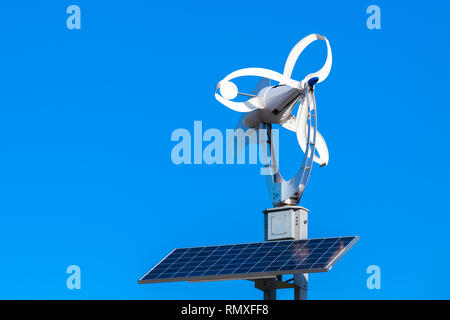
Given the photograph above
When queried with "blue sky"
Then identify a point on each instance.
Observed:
(86, 176)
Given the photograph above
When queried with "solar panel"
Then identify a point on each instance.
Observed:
(250, 260)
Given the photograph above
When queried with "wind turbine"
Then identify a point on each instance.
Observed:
(273, 104)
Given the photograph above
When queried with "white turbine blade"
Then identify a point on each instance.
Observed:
(322, 150)
(322, 74)
(295, 53)
(262, 83)
(290, 123)
(248, 136)
(302, 136)
(257, 72)
(301, 127)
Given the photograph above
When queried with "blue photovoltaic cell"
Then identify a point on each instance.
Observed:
(251, 260)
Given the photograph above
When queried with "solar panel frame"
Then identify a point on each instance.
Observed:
(247, 261)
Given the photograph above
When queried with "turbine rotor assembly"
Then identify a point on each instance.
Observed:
(268, 105)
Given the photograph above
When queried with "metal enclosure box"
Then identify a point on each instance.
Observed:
(290, 222)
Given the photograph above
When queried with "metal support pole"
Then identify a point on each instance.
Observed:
(301, 289)
(270, 290)
(270, 294)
